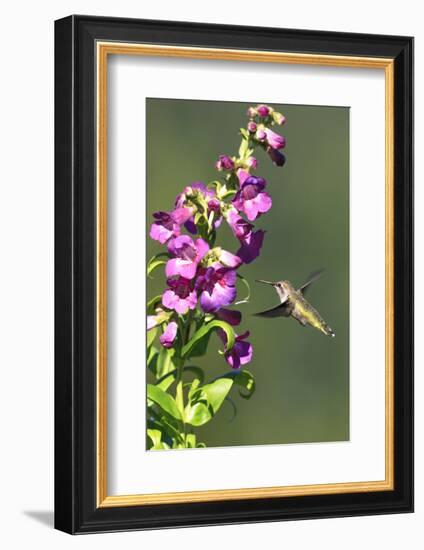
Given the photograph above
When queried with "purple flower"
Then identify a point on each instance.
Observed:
(277, 157)
(251, 242)
(180, 296)
(274, 140)
(240, 227)
(241, 353)
(224, 162)
(251, 198)
(217, 286)
(168, 337)
(167, 224)
(263, 110)
(188, 254)
(251, 246)
(242, 175)
(230, 316)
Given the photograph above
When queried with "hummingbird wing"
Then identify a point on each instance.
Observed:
(311, 279)
(282, 310)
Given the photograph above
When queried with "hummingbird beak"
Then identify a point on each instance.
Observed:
(265, 282)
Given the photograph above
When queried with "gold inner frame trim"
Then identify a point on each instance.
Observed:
(104, 49)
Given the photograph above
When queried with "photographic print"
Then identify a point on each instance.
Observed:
(234, 274)
(247, 273)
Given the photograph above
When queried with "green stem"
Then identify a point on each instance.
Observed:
(179, 394)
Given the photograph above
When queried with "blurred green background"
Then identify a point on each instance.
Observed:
(302, 376)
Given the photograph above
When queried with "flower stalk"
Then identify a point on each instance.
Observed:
(201, 283)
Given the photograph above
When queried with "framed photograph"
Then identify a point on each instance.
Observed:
(234, 274)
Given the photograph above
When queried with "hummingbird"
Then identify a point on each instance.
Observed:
(293, 303)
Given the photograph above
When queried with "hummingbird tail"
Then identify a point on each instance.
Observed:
(329, 331)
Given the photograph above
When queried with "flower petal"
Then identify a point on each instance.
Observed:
(160, 233)
(228, 259)
(181, 215)
(168, 337)
(230, 316)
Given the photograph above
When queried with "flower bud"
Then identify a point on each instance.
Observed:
(263, 110)
(224, 162)
(278, 118)
(252, 163)
(227, 259)
(251, 112)
(260, 135)
(277, 157)
(252, 126)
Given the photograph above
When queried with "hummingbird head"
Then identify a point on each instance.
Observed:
(282, 287)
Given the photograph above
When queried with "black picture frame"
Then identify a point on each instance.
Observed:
(76, 510)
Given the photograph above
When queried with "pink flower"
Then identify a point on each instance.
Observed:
(180, 296)
(242, 351)
(167, 224)
(251, 198)
(217, 287)
(188, 254)
(251, 241)
(274, 140)
(168, 337)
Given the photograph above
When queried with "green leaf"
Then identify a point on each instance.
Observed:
(191, 441)
(246, 284)
(244, 133)
(156, 261)
(179, 399)
(193, 387)
(163, 400)
(244, 146)
(151, 304)
(169, 378)
(206, 401)
(155, 436)
(151, 335)
(165, 362)
(216, 392)
(245, 380)
(197, 414)
(167, 424)
(152, 359)
(196, 345)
